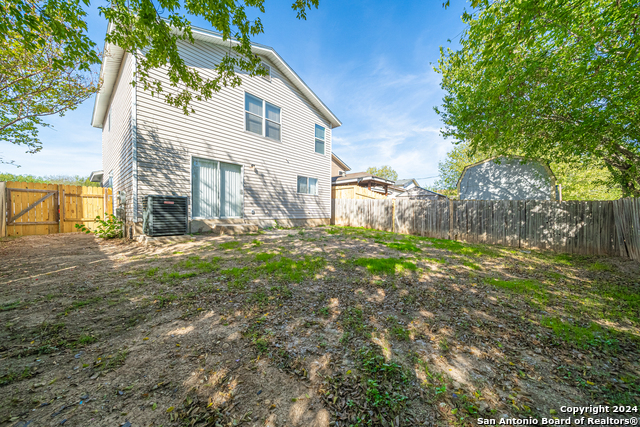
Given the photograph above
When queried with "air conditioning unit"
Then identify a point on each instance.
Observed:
(165, 215)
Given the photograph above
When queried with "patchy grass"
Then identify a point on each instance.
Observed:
(442, 332)
(401, 246)
(294, 270)
(398, 331)
(384, 382)
(590, 335)
(230, 245)
(386, 265)
(353, 322)
(600, 266)
(76, 305)
(529, 287)
(264, 257)
(10, 306)
(12, 376)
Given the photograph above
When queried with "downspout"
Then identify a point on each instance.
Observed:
(134, 141)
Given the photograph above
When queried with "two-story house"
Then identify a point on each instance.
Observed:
(251, 154)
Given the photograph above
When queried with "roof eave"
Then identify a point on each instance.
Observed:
(339, 160)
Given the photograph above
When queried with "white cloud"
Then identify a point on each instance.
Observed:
(390, 121)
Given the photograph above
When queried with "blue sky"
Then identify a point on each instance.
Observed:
(371, 62)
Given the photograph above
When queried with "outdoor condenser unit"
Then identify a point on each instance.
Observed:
(165, 215)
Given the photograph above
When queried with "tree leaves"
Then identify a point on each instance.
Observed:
(56, 31)
(385, 172)
(552, 79)
(36, 81)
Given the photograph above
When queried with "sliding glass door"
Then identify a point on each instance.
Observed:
(216, 189)
(231, 190)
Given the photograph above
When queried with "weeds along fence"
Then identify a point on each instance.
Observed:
(578, 227)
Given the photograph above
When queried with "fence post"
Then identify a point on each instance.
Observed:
(3, 211)
(393, 216)
(451, 236)
(58, 207)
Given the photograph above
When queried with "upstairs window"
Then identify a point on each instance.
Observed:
(307, 185)
(319, 139)
(261, 117)
(253, 108)
(272, 125)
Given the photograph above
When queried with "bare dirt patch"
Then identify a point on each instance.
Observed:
(309, 327)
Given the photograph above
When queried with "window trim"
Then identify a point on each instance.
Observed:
(263, 118)
(317, 193)
(211, 159)
(268, 67)
(324, 140)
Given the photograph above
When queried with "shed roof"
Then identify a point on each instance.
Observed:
(527, 159)
(466, 168)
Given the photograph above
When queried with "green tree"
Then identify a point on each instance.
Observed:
(153, 27)
(579, 181)
(385, 172)
(552, 79)
(451, 167)
(51, 179)
(33, 87)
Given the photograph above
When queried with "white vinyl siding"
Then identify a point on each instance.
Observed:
(167, 140)
(117, 136)
(319, 139)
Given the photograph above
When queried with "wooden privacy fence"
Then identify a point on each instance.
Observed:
(580, 227)
(354, 192)
(32, 208)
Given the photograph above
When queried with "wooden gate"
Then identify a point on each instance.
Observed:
(34, 208)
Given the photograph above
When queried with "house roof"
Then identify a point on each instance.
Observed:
(419, 191)
(96, 176)
(404, 182)
(357, 177)
(113, 56)
(466, 168)
(338, 160)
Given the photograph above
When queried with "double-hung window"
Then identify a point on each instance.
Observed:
(320, 139)
(261, 117)
(307, 185)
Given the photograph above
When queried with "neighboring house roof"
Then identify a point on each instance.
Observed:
(357, 177)
(96, 176)
(338, 160)
(405, 182)
(113, 56)
(417, 192)
(552, 176)
(397, 188)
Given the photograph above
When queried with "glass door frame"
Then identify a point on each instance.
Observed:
(218, 189)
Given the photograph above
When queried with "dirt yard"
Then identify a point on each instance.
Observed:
(327, 326)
